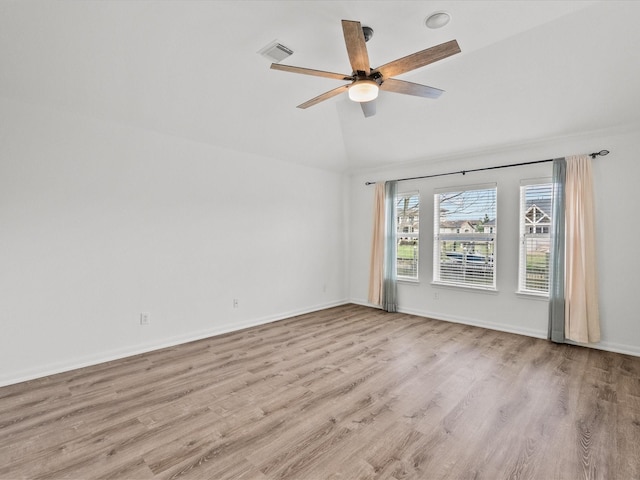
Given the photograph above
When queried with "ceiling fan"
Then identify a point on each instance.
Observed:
(366, 81)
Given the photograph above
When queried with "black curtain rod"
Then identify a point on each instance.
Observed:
(601, 153)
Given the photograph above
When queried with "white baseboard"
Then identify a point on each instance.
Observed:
(613, 347)
(364, 303)
(606, 346)
(529, 332)
(117, 354)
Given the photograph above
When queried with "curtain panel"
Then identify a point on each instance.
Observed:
(573, 296)
(581, 287)
(557, 254)
(376, 276)
(389, 289)
(382, 273)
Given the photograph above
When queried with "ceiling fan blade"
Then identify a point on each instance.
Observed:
(310, 71)
(324, 96)
(356, 46)
(419, 59)
(368, 108)
(409, 88)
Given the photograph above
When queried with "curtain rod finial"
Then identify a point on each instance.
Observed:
(601, 153)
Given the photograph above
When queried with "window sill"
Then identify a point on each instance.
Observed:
(533, 296)
(410, 281)
(489, 290)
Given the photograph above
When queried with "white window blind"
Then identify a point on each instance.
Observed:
(536, 202)
(407, 235)
(465, 231)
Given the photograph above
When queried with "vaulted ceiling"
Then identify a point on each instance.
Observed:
(528, 71)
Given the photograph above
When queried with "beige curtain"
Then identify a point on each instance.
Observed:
(582, 319)
(376, 272)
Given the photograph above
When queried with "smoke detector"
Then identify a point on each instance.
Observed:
(437, 19)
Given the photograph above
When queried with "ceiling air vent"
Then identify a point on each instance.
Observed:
(275, 52)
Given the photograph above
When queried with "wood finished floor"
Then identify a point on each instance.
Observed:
(345, 393)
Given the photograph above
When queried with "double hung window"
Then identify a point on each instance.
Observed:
(465, 231)
(536, 200)
(407, 235)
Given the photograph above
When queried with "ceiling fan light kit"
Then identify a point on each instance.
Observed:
(367, 81)
(363, 91)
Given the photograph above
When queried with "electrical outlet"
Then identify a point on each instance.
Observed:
(235, 303)
(145, 318)
(436, 296)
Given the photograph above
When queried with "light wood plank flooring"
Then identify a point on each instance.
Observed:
(345, 393)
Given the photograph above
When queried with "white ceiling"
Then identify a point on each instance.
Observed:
(528, 71)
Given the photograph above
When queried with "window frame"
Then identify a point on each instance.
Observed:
(399, 234)
(437, 238)
(525, 235)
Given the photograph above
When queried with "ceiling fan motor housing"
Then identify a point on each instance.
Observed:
(368, 33)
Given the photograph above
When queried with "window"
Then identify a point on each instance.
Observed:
(407, 215)
(464, 236)
(536, 200)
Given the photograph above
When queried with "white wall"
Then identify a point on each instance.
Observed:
(100, 222)
(616, 178)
